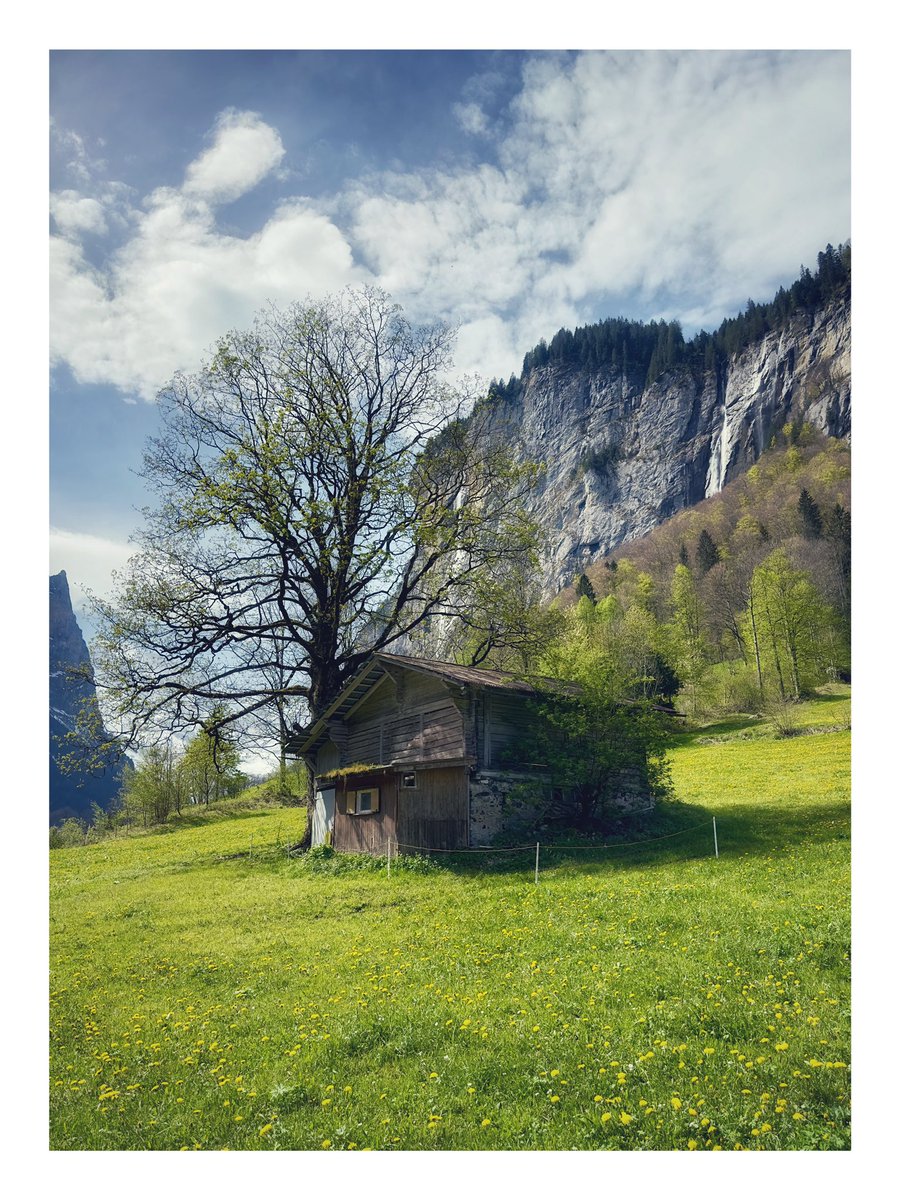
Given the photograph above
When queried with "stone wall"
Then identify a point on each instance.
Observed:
(504, 802)
(514, 804)
(629, 793)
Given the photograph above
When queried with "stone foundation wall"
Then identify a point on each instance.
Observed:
(504, 802)
(511, 804)
(629, 793)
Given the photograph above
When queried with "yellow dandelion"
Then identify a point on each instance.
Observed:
(625, 1118)
(485, 1122)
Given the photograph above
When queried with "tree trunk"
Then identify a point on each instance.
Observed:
(306, 838)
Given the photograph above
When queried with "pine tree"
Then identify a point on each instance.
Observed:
(707, 552)
(810, 516)
(584, 587)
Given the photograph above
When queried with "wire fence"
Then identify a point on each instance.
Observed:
(393, 848)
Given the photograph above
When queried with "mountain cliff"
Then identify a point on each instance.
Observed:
(621, 454)
(71, 687)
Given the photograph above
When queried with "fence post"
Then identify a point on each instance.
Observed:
(715, 838)
(389, 858)
(537, 860)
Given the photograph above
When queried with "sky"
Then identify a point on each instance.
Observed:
(507, 193)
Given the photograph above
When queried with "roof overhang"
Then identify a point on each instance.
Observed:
(307, 741)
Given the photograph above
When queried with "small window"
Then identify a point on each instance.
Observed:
(408, 779)
(363, 801)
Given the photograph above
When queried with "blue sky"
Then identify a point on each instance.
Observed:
(508, 193)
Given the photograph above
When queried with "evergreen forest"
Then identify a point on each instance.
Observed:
(645, 350)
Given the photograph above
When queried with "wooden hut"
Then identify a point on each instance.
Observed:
(416, 754)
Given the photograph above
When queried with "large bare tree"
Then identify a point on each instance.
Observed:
(318, 497)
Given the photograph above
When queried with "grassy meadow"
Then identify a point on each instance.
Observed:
(210, 992)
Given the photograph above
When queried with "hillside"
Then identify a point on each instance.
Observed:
(633, 424)
(757, 513)
(741, 601)
(208, 991)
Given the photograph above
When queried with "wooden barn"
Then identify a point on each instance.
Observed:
(412, 754)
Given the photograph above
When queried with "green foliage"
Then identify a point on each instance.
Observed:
(71, 832)
(710, 628)
(810, 516)
(601, 460)
(795, 636)
(209, 767)
(506, 624)
(589, 738)
(587, 742)
(685, 632)
(155, 788)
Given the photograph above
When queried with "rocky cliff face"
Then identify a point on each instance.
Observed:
(71, 687)
(621, 457)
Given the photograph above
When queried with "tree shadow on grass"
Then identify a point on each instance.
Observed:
(747, 828)
(732, 726)
(684, 832)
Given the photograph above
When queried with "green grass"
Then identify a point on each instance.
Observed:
(647, 997)
(828, 711)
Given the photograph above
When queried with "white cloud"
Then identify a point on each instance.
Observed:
(87, 560)
(179, 281)
(665, 184)
(471, 117)
(647, 184)
(244, 151)
(75, 214)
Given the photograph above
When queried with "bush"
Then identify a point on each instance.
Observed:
(72, 832)
(783, 715)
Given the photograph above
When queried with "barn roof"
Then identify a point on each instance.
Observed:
(306, 741)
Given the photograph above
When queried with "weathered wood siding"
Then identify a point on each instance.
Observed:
(435, 814)
(381, 700)
(366, 833)
(408, 720)
(366, 742)
(328, 758)
(504, 727)
(431, 733)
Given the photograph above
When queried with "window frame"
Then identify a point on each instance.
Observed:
(353, 808)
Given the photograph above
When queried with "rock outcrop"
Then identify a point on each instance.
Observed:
(620, 457)
(71, 688)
